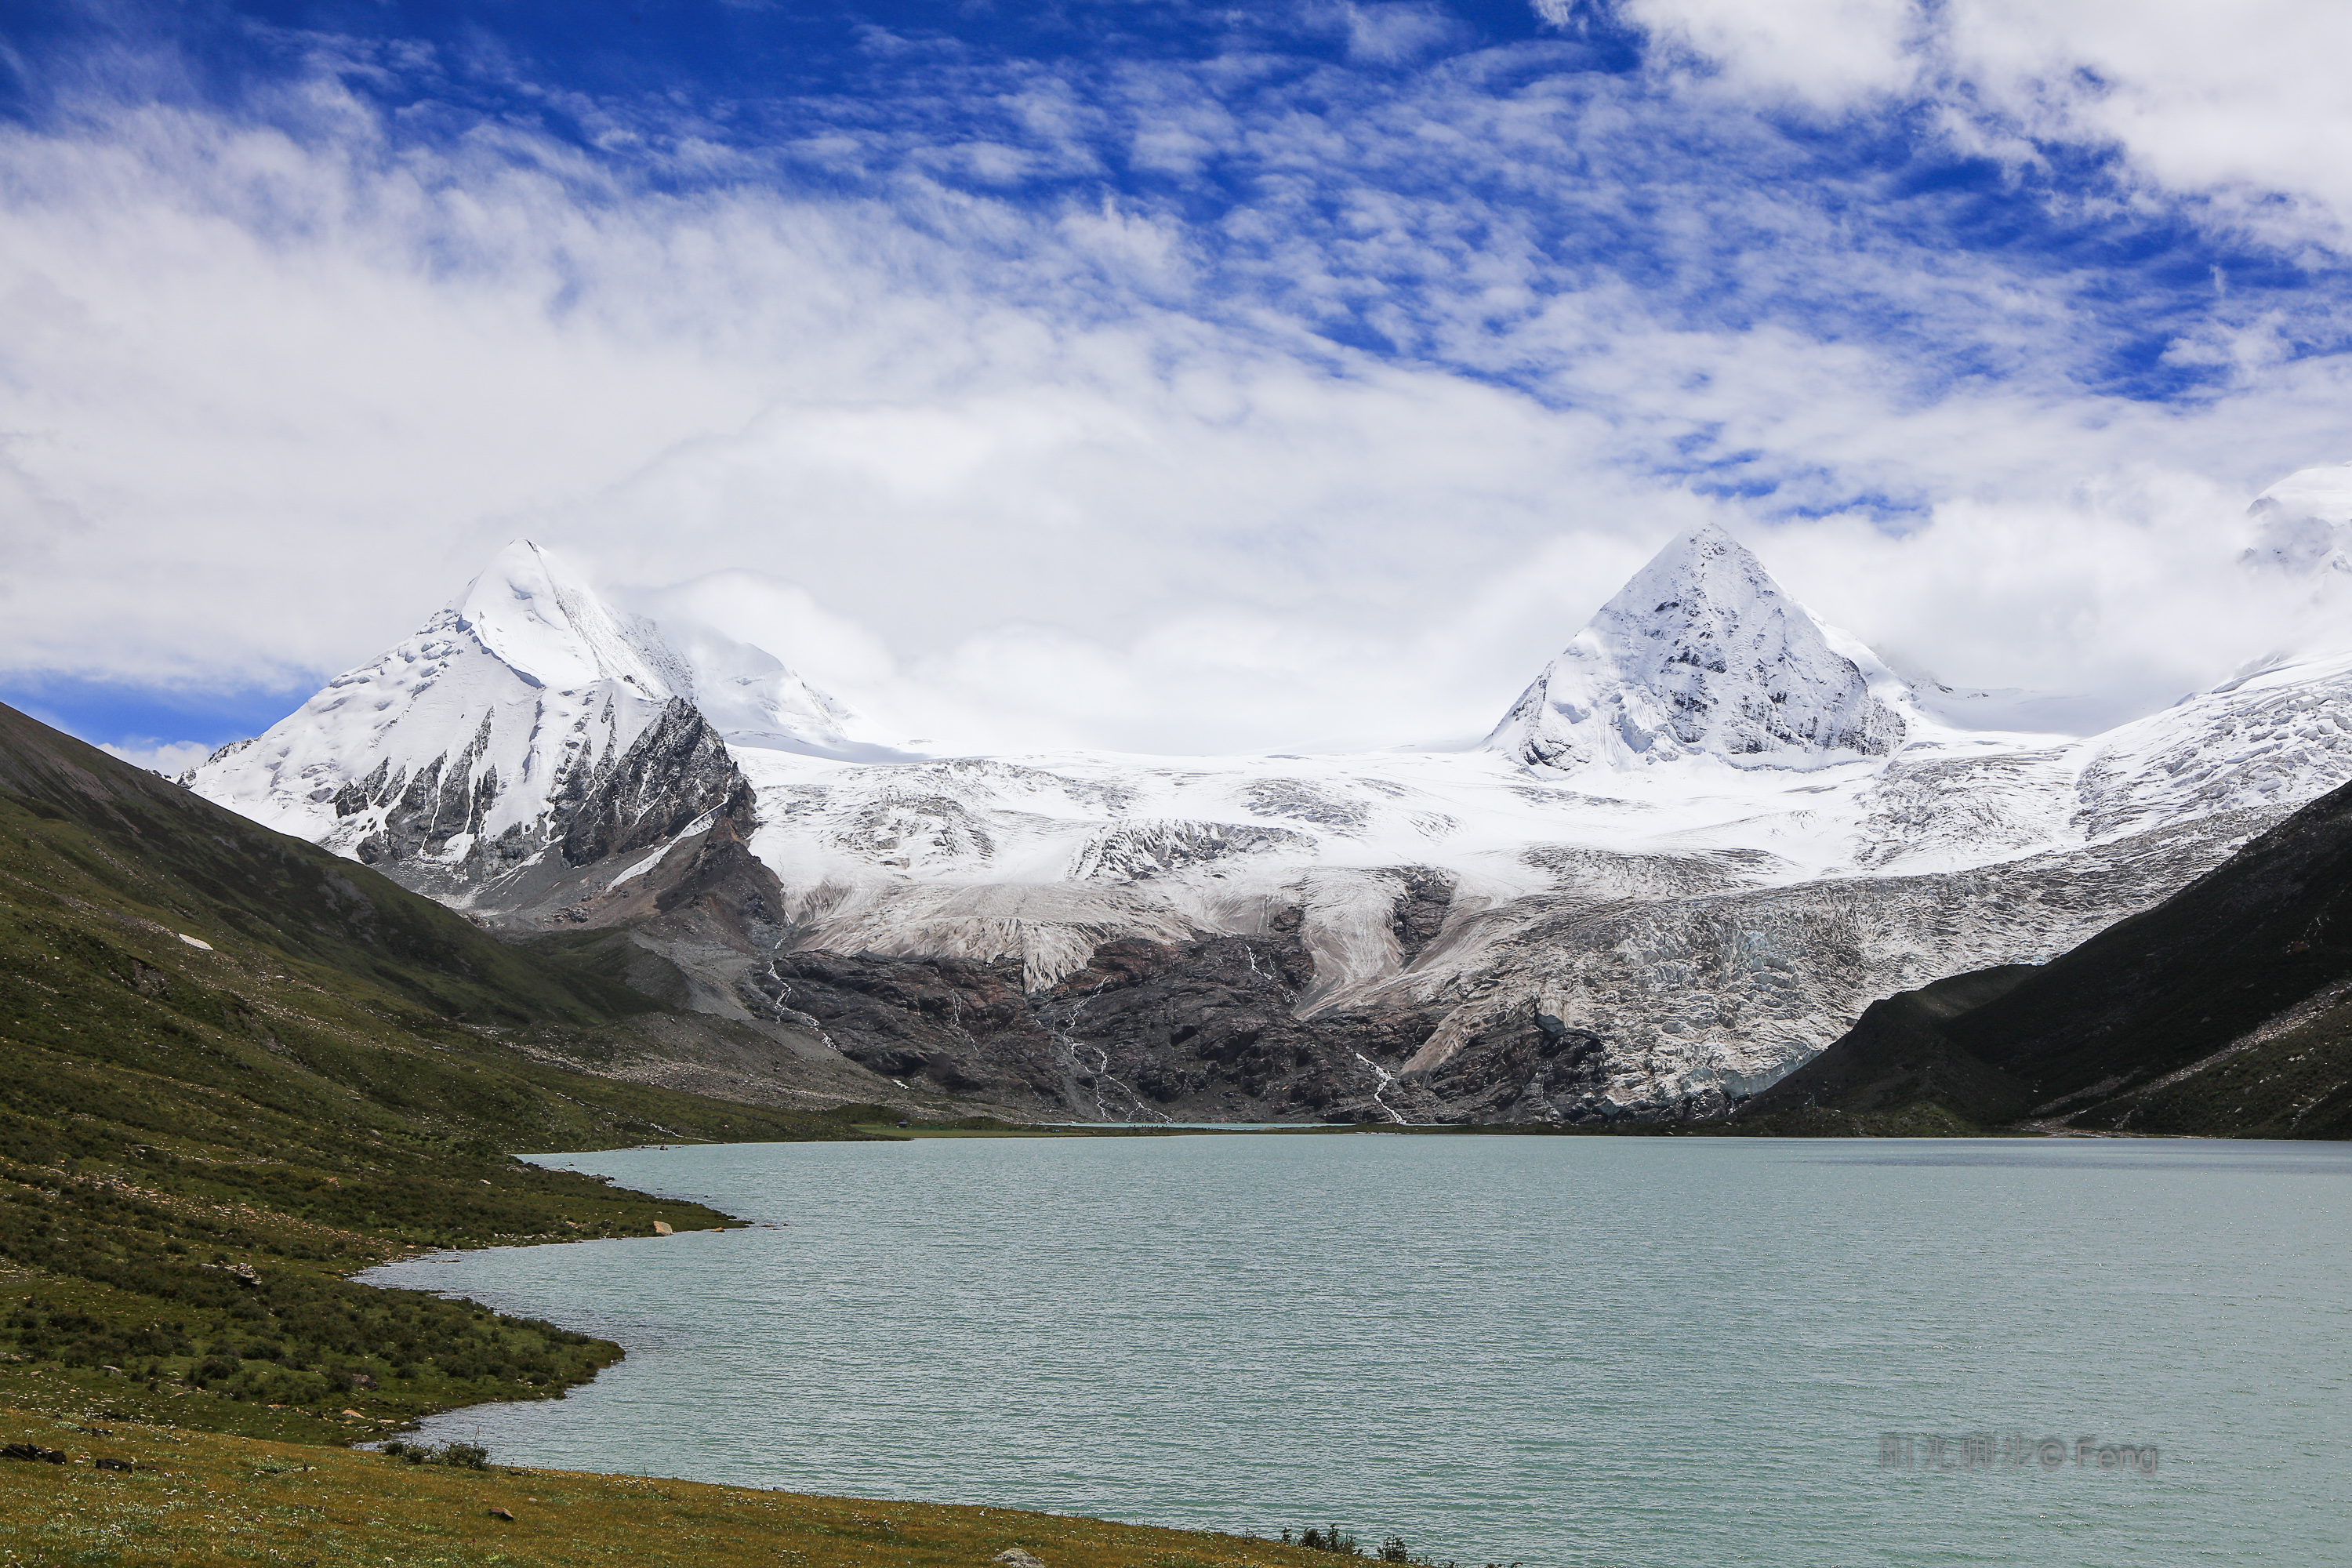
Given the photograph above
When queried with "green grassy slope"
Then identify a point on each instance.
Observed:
(197, 1145)
(193, 1501)
(146, 848)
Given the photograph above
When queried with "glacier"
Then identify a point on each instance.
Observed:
(1710, 833)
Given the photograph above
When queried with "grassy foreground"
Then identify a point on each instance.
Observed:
(199, 1499)
(234, 1071)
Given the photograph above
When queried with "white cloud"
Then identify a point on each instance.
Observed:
(170, 758)
(1826, 52)
(1013, 473)
(2247, 96)
(1391, 31)
(2244, 103)
(2127, 590)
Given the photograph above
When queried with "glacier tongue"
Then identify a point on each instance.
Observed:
(1702, 653)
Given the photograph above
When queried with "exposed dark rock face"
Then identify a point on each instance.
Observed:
(954, 1024)
(674, 773)
(1526, 1066)
(1207, 1024)
(427, 809)
(1421, 909)
(1147, 1031)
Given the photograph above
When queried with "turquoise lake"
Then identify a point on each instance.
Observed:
(1543, 1350)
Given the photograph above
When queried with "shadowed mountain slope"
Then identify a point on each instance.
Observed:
(2225, 1011)
(1896, 1058)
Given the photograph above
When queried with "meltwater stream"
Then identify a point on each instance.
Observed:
(1548, 1351)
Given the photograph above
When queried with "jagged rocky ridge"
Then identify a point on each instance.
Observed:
(661, 784)
(1706, 839)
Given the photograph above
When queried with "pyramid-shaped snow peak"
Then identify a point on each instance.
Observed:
(548, 627)
(495, 731)
(1701, 653)
(467, 731)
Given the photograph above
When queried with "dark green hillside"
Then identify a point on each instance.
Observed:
(1896, 1073)
(195, 1145)
(134, 838)
(2225, 1011)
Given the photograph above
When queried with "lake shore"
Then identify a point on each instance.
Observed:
(196, 1499)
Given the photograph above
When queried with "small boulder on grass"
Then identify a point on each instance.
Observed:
(1014, 1557)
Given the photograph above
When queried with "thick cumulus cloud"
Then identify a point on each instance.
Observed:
(1254, 397)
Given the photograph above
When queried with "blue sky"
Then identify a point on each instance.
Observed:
(1156, 375)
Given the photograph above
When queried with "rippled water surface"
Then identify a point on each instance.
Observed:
(1541, 1350)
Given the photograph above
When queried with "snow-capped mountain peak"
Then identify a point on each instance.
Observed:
(469, 733)
(1467, 934)
(522, 720)
(547, 626)
(1703, 653)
